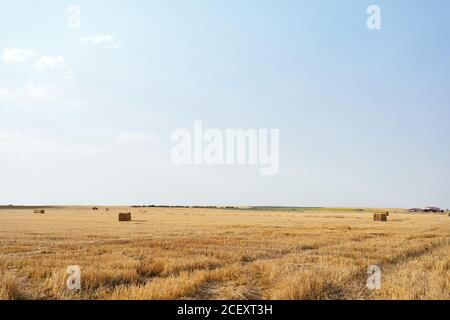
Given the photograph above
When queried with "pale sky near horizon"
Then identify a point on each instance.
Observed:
(86, 115)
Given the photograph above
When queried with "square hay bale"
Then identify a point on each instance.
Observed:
(39, 211)
(125, 216)
(380, 217)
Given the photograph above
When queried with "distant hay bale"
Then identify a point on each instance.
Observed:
(125, 216)
(39, 211)
(380, 217)
(107, 209)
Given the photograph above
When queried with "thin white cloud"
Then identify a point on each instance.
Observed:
(49, 62)
(68, 74)
(40, 62)
(32, 91)
(15, 55)
(8, 135)
(136, 138)
(42, 91)
(106, 39)
(13, 143)
(5, 92)
(10, 94)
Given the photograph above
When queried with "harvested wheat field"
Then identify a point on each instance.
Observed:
(176, 253)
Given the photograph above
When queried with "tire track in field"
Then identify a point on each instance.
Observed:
(213, 289)
(355, 288)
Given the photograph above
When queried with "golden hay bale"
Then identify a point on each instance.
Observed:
(380, 217)
(125, 216)
(40, 211)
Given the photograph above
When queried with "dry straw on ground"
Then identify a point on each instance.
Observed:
(223, 254)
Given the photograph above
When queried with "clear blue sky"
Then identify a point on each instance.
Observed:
(363, 115)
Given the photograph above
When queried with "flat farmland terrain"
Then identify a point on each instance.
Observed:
(169, 253)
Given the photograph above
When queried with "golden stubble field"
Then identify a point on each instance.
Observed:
(168, 253)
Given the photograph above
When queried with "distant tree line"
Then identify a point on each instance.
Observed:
(185, 207)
